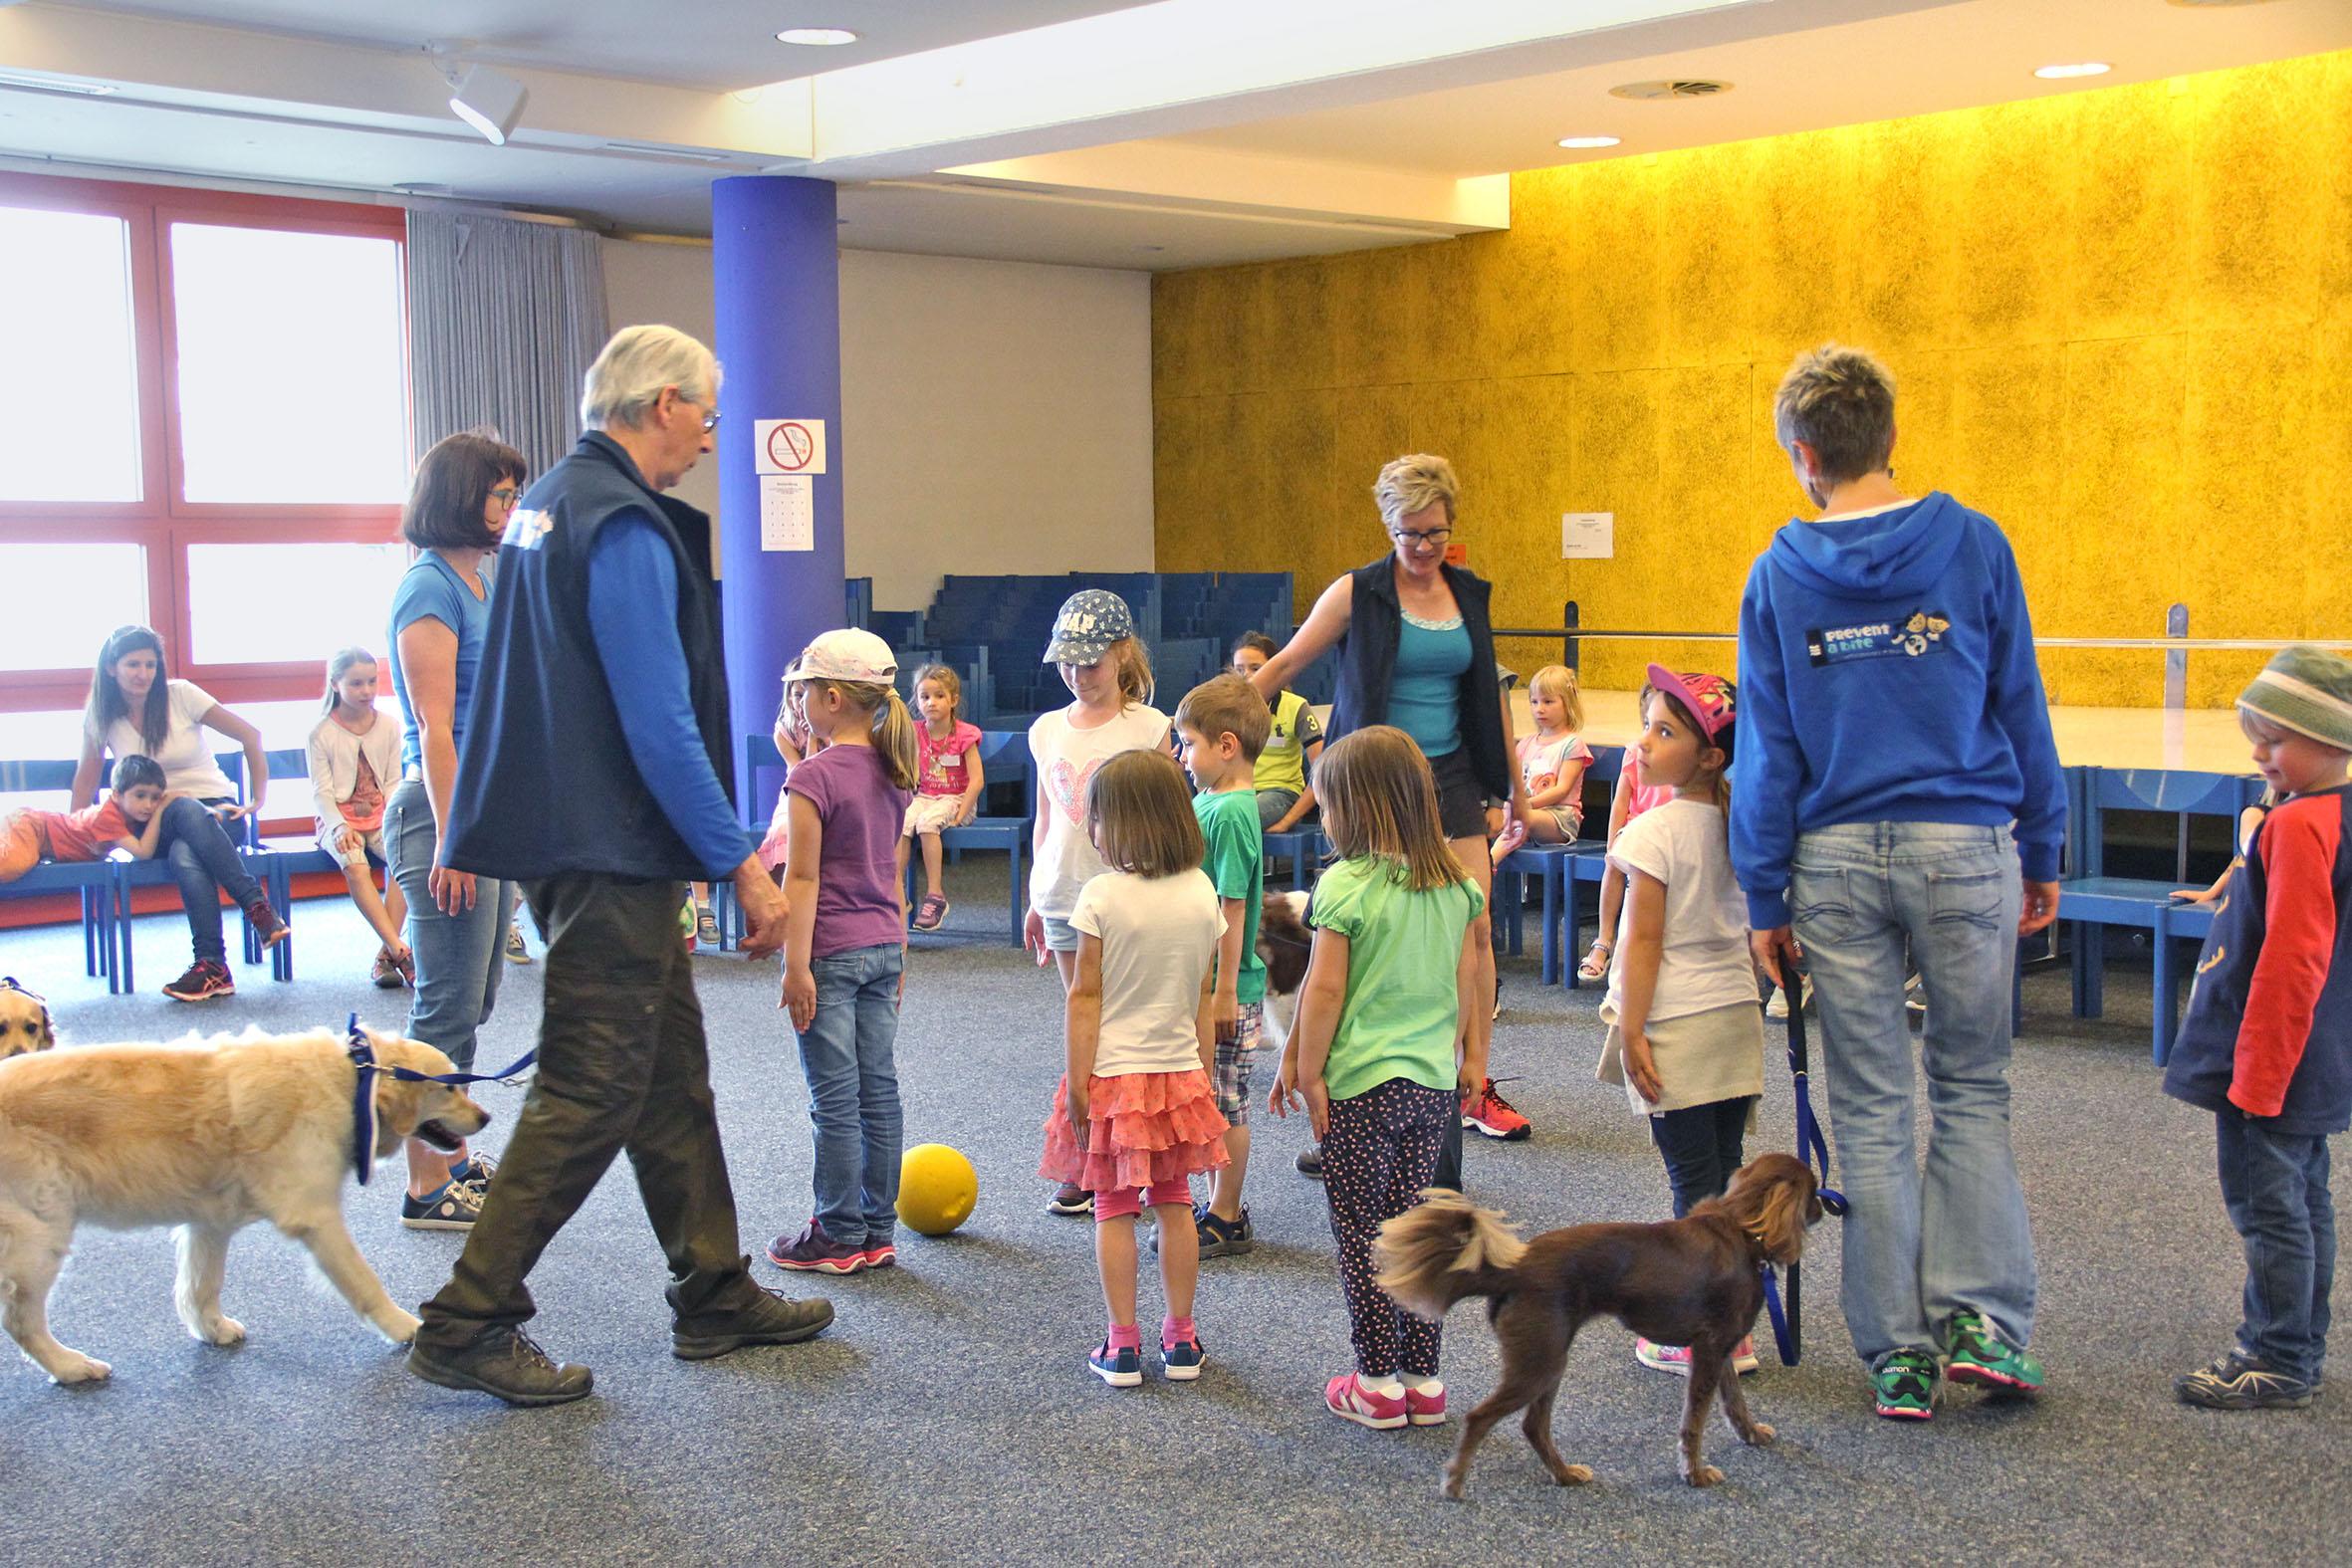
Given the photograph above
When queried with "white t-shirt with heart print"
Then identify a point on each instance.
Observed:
(1066, 757)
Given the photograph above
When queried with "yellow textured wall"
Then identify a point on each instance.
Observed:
(2120, 319)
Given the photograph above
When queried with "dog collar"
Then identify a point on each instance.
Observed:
(362, 1055)
(362, 1051)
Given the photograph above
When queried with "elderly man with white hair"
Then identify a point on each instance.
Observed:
(591, 775)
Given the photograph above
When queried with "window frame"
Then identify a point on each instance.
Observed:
(162, 522)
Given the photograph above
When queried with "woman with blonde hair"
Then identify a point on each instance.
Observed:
(1417, 651)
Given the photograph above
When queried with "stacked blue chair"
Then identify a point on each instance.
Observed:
(93, 881)
(2090, 901)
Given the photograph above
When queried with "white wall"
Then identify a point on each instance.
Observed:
(996, 415)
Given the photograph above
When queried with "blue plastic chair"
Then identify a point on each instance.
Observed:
(91, 881)
(2175, 923)
(2090, 901)
(1304, 846)
(289, 857)
(129, 875)
(1004, 759)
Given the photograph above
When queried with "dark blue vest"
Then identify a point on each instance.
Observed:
(1367, 666)
(545, 782)
(2204, 1062)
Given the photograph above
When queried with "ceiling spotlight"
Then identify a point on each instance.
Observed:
(1577, 144)
(489, 100)
(2089, 68)
(817, 36)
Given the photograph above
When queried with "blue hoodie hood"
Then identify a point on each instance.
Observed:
(1888, 553)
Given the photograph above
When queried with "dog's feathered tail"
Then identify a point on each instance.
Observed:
(1432, 1256)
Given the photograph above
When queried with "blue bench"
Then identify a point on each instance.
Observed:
(93, 881)
(2089, 901)
(1004, 759)
(131, 875)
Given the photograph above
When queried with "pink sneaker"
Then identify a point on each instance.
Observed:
(1663, 1358)
(1744, 1358)
(1425, 1410)
(1346, 1397)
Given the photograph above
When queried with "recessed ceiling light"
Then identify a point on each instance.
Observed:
(1579, 142)
(2089, 68)
(817, 36)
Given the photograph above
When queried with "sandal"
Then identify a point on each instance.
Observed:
(1597, 962)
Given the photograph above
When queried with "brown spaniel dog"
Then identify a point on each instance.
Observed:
(1691, 1281)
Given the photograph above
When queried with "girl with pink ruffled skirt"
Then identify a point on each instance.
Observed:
(1135, 1117)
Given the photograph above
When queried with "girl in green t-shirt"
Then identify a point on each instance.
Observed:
(1388, 987)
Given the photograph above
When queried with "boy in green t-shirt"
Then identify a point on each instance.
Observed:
(1222, 725)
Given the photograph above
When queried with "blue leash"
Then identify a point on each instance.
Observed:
(1813, 1149)
(363, 1053)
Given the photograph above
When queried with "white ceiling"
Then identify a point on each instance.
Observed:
(716, 44)
(1842, 72)
(1112, 162)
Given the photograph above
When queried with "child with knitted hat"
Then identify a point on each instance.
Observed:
(2267, 1045)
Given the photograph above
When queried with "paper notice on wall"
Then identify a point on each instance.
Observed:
(787, 511)
(789, 446)
(1587, 536)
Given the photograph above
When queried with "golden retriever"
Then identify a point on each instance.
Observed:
(209, 1135)
(23, 1020)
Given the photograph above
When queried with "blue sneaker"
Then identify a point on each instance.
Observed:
(1181, 1361)
(454, 1207)
(1121, 1368)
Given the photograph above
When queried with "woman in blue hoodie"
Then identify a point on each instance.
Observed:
(1899, 792)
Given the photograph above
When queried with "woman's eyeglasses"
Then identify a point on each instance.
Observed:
(1433, 538)
(507, 494)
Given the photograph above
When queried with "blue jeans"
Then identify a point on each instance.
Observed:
(1918, 1249)
(847, 1053)
(2274, 1185)
(457, 956)
(205, 863)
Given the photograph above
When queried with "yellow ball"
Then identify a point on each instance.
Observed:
(937, 1188)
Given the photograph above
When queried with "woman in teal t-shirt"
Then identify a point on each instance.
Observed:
(1391, 987)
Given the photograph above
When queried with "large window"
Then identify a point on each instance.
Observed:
(203, 427)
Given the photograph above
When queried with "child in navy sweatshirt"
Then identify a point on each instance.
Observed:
(1898, 792)
(2267, 1045)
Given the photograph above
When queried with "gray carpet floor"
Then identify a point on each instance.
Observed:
(948, 1417)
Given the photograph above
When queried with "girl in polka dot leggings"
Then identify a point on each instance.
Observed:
(1374, 1052)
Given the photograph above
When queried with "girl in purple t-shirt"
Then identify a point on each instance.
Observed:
(844, 951)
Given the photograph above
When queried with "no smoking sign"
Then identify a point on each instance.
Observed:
(789, 446)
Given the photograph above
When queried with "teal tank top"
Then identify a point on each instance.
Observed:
(1425, 694)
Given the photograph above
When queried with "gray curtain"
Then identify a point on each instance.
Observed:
(504, 320)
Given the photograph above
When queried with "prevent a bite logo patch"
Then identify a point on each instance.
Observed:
(1922, 633)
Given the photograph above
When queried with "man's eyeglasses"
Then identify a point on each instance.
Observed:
(710, 420)
(1434, 538)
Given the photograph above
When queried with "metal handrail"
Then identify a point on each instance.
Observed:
(2241, 644)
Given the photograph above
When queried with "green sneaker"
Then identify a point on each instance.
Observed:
(1979, 1356)
(1903, 1384)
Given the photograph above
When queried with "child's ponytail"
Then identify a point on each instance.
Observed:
(894, 739)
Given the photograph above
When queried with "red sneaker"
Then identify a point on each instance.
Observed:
(1346, 1397)
(1425, 1410)
(1492, 1114)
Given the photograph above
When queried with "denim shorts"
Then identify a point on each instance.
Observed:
(1060, 935)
